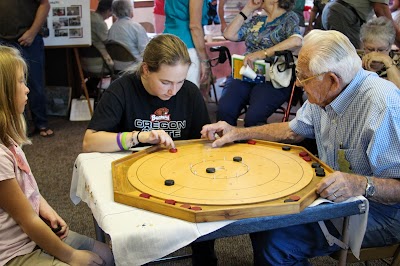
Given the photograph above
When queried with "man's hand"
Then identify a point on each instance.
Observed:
(340, 186)
(226, 132)
(27, 38)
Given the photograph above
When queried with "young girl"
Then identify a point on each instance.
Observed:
(31, 232)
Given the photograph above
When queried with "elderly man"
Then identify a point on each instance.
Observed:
(355, 118)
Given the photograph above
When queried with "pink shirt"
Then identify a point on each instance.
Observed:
(13, 241)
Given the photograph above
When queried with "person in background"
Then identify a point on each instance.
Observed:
(99, 29)
(299, 10)
(159, 16)
(99, 34)
(185, 19)
(347, 17)
(31, 231)
(127, 31)
(264, 35)
(377, 36)
(315, 15)
(153, 105)
(212, 13)
(355, 117)
(20, 26)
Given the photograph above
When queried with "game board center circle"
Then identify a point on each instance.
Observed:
(223, 169)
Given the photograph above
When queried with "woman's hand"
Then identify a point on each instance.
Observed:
(250, 58)
(51, 217)
(205, 71)
(374, 61)
(156, 137)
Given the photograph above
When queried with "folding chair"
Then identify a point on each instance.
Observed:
(121, 56)
(95, 66)
(148, 26)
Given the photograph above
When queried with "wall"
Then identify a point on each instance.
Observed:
(143, 14)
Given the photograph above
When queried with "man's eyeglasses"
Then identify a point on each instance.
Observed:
(302, 82)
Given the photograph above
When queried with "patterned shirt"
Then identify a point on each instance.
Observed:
(363, 121)
(259, 34)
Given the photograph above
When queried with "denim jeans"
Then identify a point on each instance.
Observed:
(262, 100)
(293, 245)
(34, 57)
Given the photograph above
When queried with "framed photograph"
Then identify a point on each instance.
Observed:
(74, 11)
(68, 24)
(75, 33)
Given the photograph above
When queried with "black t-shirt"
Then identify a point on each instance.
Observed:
(126, 106)
(16, 17)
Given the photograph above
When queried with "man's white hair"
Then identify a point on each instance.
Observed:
(332, 51)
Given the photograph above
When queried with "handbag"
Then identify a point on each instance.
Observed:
(282, 69)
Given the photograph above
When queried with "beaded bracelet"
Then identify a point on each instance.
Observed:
(123, 141)
(119, 141)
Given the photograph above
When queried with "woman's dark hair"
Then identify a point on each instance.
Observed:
(286, 4)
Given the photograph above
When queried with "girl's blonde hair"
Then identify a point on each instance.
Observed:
(12, 123)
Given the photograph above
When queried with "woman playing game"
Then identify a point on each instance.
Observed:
(152, 105)
(31, 231)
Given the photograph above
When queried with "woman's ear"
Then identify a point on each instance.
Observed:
(145, 70)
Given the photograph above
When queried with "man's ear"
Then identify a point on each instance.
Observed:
(336, 82)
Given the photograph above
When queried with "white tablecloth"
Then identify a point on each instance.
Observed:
(140, 236)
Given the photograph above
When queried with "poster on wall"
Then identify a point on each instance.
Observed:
(68, 23)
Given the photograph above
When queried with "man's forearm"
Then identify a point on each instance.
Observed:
(278, 132)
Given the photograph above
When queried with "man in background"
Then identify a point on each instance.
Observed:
(21, 22)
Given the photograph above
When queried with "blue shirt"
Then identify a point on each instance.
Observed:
(177, 19)
(259, 34)
(364, 121)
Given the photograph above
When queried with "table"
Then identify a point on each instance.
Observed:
(224, 70)
(140, 236)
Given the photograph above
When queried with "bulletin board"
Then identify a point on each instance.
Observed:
(68, 23)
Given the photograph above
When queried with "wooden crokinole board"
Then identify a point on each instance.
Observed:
(256, 186)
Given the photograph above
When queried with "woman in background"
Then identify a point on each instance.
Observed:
(185, 19)
(264, 35)
(378, 36)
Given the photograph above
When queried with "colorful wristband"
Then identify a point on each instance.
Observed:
(119, 141)
(123, 141)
